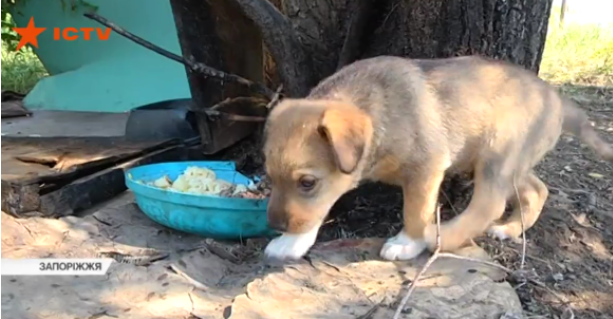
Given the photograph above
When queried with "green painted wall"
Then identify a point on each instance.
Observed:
(104, 76)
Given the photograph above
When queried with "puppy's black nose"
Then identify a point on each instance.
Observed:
(278, 224)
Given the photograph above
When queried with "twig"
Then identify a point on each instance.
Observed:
(371, 312)
(26, 228)
(555, 294)
(390, 13)
(455, 211)
(542, 285)
(240, 99)
(142, 260)
(331, 265)
(189, 62)
(523, 227)
(275, 99)
(191, 300)
(214, 111)
(432, 258)
(191, 280)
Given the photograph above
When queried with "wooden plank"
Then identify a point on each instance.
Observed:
(85, 192)
(17, 199)
(43, 160)
(89, 183)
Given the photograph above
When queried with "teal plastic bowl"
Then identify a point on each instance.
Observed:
(209, 216)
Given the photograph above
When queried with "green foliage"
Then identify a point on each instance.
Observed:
(9, 37)
(20, 70)
(578, 54)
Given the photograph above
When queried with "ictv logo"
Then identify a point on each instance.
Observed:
(30, 33)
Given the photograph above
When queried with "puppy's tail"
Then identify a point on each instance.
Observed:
(577, 123)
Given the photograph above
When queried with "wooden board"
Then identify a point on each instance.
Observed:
(55, 176)
(31, 160)
(85, 192)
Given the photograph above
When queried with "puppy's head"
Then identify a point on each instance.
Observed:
(314, 152)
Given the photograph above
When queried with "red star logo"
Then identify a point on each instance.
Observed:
(28, 34)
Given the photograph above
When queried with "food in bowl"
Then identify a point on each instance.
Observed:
(203, 181)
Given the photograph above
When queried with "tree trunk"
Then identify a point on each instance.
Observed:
(333, 33)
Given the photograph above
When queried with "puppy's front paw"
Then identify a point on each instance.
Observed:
(498, 231)
(504, 232)
(290, 246)
(402, 247)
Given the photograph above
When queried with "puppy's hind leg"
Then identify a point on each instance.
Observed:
(420, 197)
(486, 205)
(530, 199)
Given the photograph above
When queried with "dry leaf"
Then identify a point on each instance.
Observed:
(596, 175)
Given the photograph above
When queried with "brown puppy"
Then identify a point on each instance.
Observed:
(408, 123)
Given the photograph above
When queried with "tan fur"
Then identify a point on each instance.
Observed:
(411, 122)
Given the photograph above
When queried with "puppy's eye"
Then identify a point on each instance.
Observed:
(307, 182)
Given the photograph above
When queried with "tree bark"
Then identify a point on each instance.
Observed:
(293, 65)
(512, 30)
(333, 33)
(307, 40)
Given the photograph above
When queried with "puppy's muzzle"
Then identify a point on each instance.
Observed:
(277, 222)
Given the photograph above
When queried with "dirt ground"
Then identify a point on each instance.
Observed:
(569, 255)
(161, 273)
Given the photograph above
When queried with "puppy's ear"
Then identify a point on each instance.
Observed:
(348, 131)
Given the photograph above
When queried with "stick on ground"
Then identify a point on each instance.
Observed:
(432, 258)
(191, 280)
(523, 227)
(437, 254)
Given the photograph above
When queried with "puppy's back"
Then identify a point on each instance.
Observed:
(463, 102)
(471, 83)
(389, 88)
